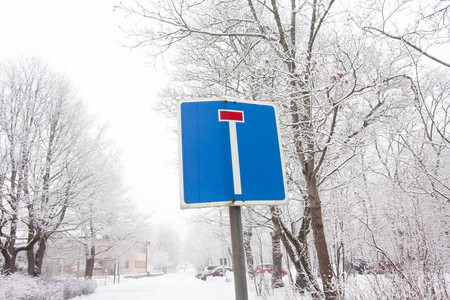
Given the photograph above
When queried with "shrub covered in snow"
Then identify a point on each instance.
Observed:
(19, 286)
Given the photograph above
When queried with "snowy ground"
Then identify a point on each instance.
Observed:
(169, 287)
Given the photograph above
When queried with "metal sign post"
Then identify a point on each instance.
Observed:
(237, 245)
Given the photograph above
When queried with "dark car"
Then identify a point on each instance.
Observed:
(267, 268)
(217, 272)
(360, 266)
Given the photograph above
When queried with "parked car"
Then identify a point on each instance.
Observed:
(360, 266)
(207, 270)
(382, 267)
(267, 268)
(217, 272)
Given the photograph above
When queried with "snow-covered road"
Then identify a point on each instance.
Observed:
(167, 287)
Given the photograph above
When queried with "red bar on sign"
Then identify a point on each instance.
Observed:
(231, 115)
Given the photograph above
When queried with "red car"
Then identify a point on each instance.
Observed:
(206, 271)
(218, 271)
(382, 267)
(267, 268)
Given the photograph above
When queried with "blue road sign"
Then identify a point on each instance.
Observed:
(230, 154)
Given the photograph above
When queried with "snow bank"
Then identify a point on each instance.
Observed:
(18, 286)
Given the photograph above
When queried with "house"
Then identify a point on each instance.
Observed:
(133, 261)
(67, 258)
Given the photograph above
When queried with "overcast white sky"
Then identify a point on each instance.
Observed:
(80, 38)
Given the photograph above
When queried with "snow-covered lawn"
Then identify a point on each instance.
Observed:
(171, 286)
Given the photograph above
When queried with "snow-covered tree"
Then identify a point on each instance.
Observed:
(42, 122)
(58, 173)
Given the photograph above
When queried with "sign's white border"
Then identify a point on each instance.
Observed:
(183, 204)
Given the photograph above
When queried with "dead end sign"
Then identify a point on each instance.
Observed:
(230, 154)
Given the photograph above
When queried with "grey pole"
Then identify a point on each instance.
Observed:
(237, 245)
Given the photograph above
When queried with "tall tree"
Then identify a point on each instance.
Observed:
(64, 127)
(45, 130)
(25, 94)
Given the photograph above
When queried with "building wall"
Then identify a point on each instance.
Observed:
(68, 259)
(132, 262)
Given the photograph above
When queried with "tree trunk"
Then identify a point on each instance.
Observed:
(305, 148)
(248, 251)
(277, 273)
(7, 265)
(90, 259)
(297, 252)
(39, 257)
(30, 261)
(32, 239)
(320, 243)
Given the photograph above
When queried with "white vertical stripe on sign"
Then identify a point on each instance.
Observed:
(235, 158)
